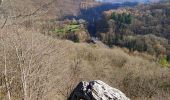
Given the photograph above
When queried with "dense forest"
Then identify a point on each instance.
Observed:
(144, 28)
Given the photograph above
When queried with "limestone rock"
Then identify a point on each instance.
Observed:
(96, 90)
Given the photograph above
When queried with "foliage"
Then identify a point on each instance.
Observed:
(163, 61)
(68, 28)
(149, 30)
(167, 12)
(123, 18)
(69, 31)
(121, 21)
(135, 43)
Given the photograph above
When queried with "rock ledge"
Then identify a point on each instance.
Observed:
(96, 90)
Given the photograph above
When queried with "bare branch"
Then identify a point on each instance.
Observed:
(4, 23)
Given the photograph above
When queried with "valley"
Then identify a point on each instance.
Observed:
(48, 47)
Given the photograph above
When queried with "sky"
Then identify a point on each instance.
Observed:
(120, 1)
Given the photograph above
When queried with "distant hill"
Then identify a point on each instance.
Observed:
(121, 1)
(45, 8)
(142, 28)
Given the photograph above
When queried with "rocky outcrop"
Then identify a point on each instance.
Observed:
(96, 90)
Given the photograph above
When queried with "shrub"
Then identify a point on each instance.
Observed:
(164, 61)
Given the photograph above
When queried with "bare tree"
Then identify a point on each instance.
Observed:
(5, 72)
(26, 60)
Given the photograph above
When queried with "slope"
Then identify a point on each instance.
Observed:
(41, 67)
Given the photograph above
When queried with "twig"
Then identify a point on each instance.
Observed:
(4, 23)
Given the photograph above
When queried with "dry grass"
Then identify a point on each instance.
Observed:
(42, 68)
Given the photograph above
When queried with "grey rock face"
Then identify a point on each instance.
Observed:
(96, 90)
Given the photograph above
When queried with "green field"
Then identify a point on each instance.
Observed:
(163, 61)
(67, 29)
